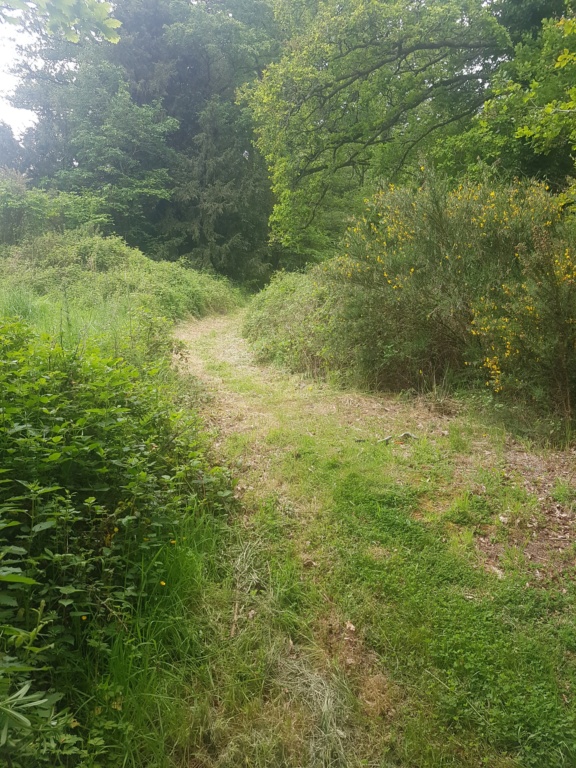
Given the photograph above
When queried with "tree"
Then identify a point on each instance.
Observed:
(209, 199)
(75, 19)
(528, 126)
(92, 137)
(548, 103)
(362, 87)
(192, 58)
(523, 18)
(9, 147)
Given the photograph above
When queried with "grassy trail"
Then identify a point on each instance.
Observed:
(403, 578)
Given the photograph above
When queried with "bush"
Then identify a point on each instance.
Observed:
(437, 283)
(293, 321)
(108, 508)
(99, 476)
(527, 327)
(79, 284)
(31, 212)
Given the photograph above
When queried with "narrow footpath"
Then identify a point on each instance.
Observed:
(389, 563)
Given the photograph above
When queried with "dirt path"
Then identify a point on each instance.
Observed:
(248, 401)
(312, 461)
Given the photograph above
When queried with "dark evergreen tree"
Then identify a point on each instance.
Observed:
(9, 147)
(153, 123)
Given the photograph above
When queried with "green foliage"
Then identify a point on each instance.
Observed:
(75, 20)
(527, 325)
(98, 475)
(435, 282)
(544, 111)
(107, 503)
(9, 147)
(88, 275)
(151, 125)
(295, 322)
(219, 219)
(357, 89)
(527, 127)
(525, 18)
(95, 140)
(26, 212)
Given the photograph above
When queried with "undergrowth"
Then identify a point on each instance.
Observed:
(467, 287)
(111, 516)
(80, 284)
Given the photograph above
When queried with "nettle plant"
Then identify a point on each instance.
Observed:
(97, 472)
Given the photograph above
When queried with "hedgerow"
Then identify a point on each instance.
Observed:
(110, 513)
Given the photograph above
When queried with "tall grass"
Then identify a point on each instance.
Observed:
(79, 284)
(110, 514)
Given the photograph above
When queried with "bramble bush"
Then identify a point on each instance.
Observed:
(109, 511)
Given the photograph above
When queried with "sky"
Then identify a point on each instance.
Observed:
(18, 119)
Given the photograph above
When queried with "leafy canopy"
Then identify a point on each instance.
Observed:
(361, 86)
(75, 19)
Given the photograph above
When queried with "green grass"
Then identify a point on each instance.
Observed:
(484, 651)
(479, 660)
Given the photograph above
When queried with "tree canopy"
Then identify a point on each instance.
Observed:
(212, 125)
(363, 86)
(75, 19)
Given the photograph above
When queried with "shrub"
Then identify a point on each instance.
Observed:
(98, 477)
(293, 323)
(527, 327)
(31, 212)
(78, 284)
(436, 283)
(426, 257)
(107, 504)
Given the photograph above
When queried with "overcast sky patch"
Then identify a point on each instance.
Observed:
(18, 119)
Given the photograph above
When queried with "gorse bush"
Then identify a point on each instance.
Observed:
(527, 327)
(474, 282)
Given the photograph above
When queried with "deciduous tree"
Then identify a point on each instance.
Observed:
(363, 86)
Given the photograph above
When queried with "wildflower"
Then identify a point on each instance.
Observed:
(162, 583)
(84, 618)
